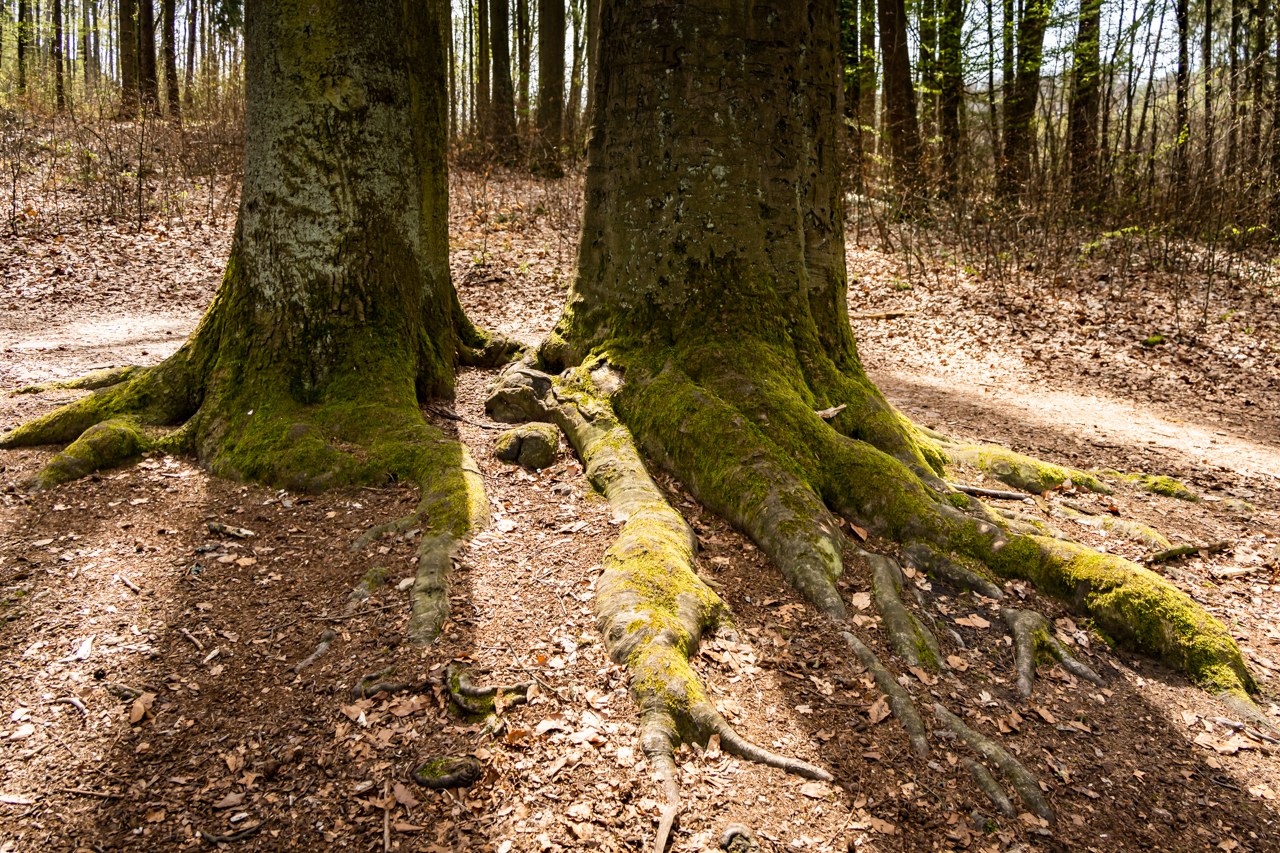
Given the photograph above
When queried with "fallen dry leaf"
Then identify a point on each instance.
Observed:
(878, 711)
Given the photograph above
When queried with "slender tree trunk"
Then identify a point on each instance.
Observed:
(59, 85)
(993, 117)
(573, 107)
(851, 93)
(503, 131)
(867, 92)
(1233, 137)
(592, 60)
(23, 39)
(1020, 103)
(168, 9)
(551, 23)
(902, 128)
(1082, 120)
(523, 60)
(1008, 68)
(1275, 132)
(1182, 119)
(1258, 13)
(148, 78)
(1206, 61)
(128, 47)
(483, 103)
(189, 83)
(453, 79)
(951, 101)
(928, 69)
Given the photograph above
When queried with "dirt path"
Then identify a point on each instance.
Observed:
(176, 644)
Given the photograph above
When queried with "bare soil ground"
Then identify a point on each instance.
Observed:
(148, 697)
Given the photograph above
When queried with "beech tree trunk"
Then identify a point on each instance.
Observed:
(550, 79)
(951, 99)
(1182, 86)
(1082, 117)
(60, 91)
(502, 133)
(23, 43)
(1021, 96)
(168, 7)
(902, 126)
(484, 105)
(146, 32)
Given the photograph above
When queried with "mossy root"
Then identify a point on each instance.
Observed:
(1132, 530)
(396, 525)
(924, 558)
(910, 638)
(1032, 632)
(1016, 470)
(1020, 779)
(89, 382)
(103, 445)
(482, 700)
(651, 607)
(989, 786)
(904, 710)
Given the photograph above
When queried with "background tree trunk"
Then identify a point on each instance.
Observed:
(901, 127)
(484, 105)
(502, 133)
(867, 92)
(59, 85)
(523, 57)
(550, 79)
(1020, 100)
(1182, 120)
(127, 42)
(190, 76)
(951, 99)
(168, 8)
(1082, 119)
(23, 39)
(146, 29)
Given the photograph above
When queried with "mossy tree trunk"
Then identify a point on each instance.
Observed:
(711, 279)
(336, 315)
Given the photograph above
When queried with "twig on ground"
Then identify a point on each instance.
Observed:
(86, 792)
(879, 315)
(133, 587)
(70, 700)
(199, 645)
(1186, 550)
(238, 836)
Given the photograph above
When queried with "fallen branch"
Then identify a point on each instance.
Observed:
(238, 836)
(880, 315)
(325, 639)
(989, 786)
(1022, 781)
(979, 492)
(70, 700)
(199, 645)
(1187, 550)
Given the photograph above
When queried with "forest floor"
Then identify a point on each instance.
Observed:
(147, 696)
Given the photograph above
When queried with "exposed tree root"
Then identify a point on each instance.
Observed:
(396, 525)
(370, 685)
(1024, 783)
(1122, 526)
(1014, 469)
(326, 638)
(910, 638)
(482, 700)
(89, 382)
(1020, 522)
(103, 445)
(925, 558)
(450, 771)
(1031, 633)
(651, 607)
(899, 700)
(1186, 551)
(989, 786)
(738, 838)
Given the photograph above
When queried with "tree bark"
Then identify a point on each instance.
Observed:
(1206, 61)
(23, 39)
(867, 92)
(1233, 94)
(1182, 119)
(951, 100)
(551, 24)
(484, 106)
(902, 127)
(1020, 100)
(146, 29)
(168, 9)
(523, 58)
(188, 95)
(1258, 14)
(1082, 118)
(502, 133)
(59, 86)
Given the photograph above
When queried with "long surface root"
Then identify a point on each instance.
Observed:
(989, 786)
(904, 710)
(482, 700)
(1023, 782)
(911, 639)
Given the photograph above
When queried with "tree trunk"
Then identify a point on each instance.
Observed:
(1206, 61)
(1082, 120)
(127, 42)
(1020, 102)
(168, 8)
(23, 40)
(850, 63)
(1233, 94)
(502, 133)
(1258, 14)
(951, 101)
(1182, 120)
(928, 70)
(707, 317)
(336, 316)
(523, 58)
(59, 85)
(592, 59)
(148, 79)
(573, 107)
(550, 81)
(189, 83)
(484, 106)
(867, 91)
(901, 127)
(993, 117)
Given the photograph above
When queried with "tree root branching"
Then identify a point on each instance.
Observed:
(899, 700)
(989, 786)
(482, 700)
(910, 638)
(651, 607)
(372, 685)
(1031, 633)
(89, 382)
(924, 558)
(1023, 782)
(1014, 469)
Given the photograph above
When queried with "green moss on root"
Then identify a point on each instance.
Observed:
(1168, 487)
(103, 445)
